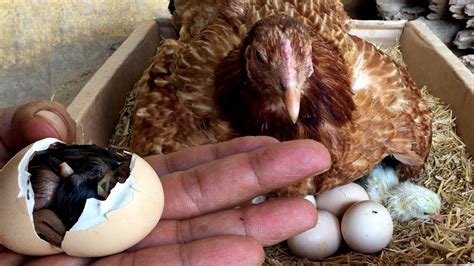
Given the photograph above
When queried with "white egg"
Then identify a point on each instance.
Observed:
(254, 201)
(367, 227)
(319, 242)
(311, 199)
(259, 199)
(338, 199)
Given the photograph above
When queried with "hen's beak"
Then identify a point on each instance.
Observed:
(292, 99)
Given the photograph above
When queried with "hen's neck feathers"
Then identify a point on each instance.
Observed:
(326, 103)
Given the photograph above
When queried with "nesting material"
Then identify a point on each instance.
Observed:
(448, 171)
(120, 140)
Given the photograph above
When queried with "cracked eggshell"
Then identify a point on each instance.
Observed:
(130, 212)
(17, 231)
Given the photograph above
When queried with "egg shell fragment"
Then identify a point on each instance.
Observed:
(17, 231)
(319, 242)
(338, 199)
(367, 227)
(121, 228)
(126, 226)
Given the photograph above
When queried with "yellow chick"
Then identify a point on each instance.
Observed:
(379, 181)
(405, 200)
(410, 201)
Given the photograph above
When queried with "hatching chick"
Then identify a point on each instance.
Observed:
(405, 201)
(379, 181)
(64, 177)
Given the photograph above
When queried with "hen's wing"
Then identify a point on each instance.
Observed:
(390, 104)
(390, 117)
(174, 107)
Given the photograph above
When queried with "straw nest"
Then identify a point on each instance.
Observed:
(447, 172)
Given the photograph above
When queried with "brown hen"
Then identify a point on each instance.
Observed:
(287, 69)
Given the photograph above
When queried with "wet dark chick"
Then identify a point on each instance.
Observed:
(64, 177)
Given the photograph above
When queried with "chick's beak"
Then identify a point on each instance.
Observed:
(437, 217)
(292, 99)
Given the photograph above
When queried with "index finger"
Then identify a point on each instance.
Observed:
(228, 181)
(191, 157)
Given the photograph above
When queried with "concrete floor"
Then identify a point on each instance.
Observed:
(50, 49)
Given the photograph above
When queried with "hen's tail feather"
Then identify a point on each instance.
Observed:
(173, 108)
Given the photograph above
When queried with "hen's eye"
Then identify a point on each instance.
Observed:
(260, 57)
(282, 86)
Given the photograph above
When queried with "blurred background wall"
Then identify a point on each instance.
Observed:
(50, 48)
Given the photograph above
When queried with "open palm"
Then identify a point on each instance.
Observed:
(203, 186)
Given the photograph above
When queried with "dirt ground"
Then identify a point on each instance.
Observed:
(50, 49)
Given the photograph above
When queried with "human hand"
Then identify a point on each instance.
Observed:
(202, 186)
(25, 124)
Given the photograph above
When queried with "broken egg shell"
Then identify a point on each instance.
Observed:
(122, 227)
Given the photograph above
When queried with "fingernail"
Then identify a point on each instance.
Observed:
(322, 171)
(55, 121)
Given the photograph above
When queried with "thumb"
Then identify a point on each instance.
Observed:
(25, 124)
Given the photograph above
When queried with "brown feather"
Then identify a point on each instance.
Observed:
(248, 104)
(355, 100)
